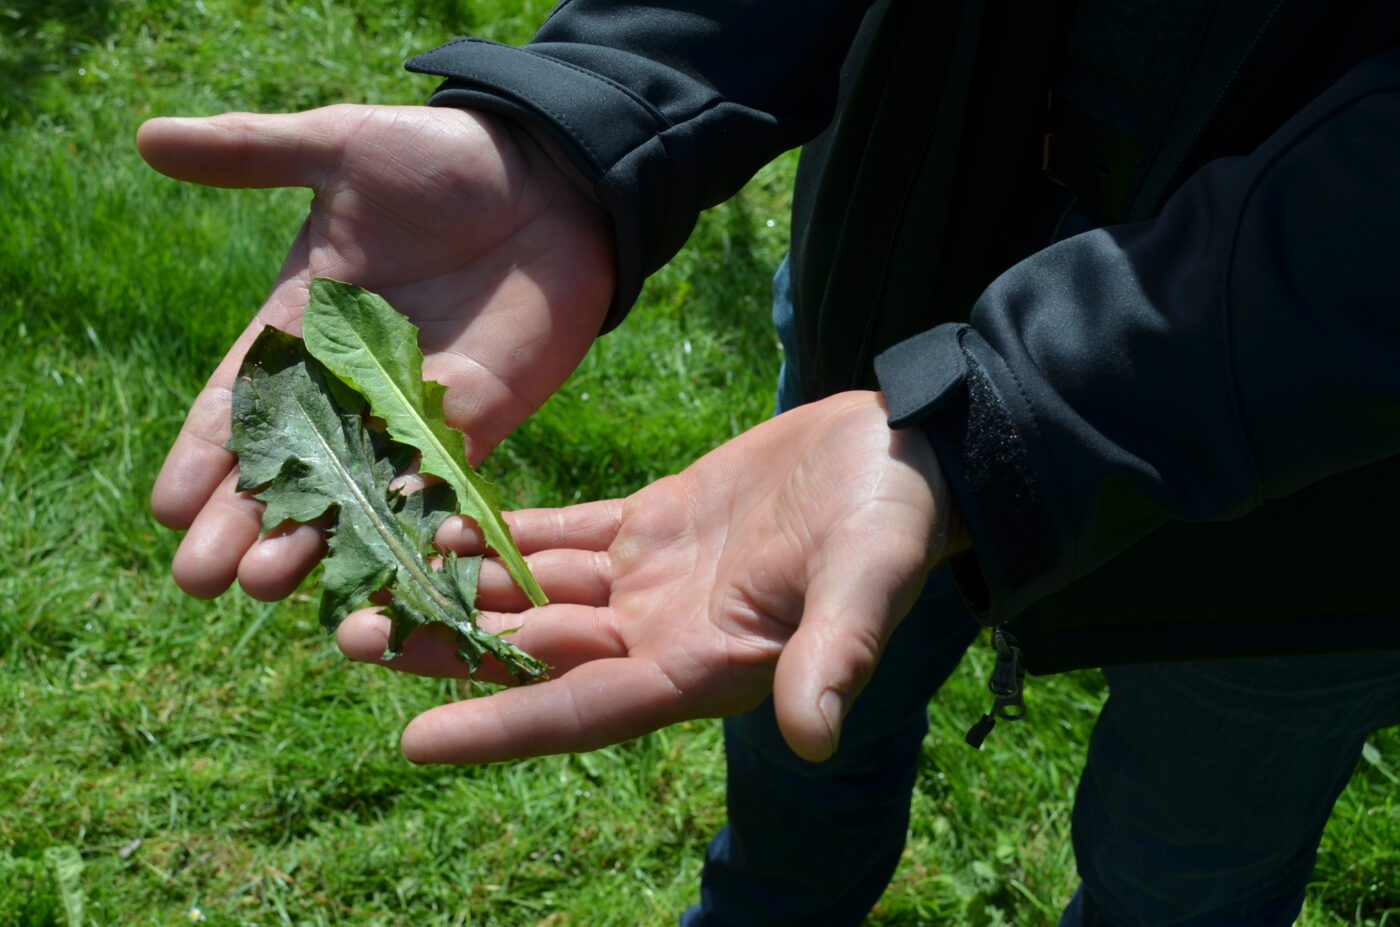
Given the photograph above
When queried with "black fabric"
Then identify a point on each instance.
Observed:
(1240, 347)
(1122, 65)
(941, 380)
(1129, 397)
(1122, 57)
(1256, 586)
(923, 374)
(668, 109)
(911, 202)
(1255, 64)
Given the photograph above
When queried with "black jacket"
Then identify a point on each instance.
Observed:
(1172, 436)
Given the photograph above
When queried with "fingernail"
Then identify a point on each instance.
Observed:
(833, 709)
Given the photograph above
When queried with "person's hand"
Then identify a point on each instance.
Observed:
(479, 232)
(780, 562)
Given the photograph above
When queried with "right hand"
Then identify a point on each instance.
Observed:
(778, 563)
(477, 230)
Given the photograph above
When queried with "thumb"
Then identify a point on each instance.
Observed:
(246, 149)
(846, 621)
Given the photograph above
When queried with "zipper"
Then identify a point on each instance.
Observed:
(1007, 685)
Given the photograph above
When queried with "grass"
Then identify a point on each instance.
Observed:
(222, 756)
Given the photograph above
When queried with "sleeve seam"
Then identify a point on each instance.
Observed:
(1226, 278)
(642, 102)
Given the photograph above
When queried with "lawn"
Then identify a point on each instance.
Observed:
(167, 760)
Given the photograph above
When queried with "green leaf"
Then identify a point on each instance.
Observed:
(309, 458)
(66, 864)
(373, 348)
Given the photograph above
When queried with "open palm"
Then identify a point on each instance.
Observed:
(479, 232)
(780, 562)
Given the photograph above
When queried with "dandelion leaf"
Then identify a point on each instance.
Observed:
(373, 348)
(307, 456)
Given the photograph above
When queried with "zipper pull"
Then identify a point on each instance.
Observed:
(1006, 686)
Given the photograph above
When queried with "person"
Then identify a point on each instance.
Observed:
(1091, 339)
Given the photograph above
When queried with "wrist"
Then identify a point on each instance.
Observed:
(949, 534)
(543, 151)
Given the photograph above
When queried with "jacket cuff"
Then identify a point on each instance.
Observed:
(950, 383)
(598, 123)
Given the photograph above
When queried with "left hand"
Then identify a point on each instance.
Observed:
(779, 562)
(476, 228)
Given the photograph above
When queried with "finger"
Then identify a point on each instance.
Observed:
(246, 149)
(194, 467)
(588, 526)
(198, 461)
(596, 704)
(575, 577)
(429, 651)
(563, 636)
(847, 618)
(206, 562)
(279, 560)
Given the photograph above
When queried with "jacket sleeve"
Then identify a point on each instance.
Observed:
(1239, 346)
(667, 108)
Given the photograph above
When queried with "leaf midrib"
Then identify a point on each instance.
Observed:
(363, 502)
(484, 513)
(457, 476)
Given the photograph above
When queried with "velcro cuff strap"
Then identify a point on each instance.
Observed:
(922, 374)
(601, 119)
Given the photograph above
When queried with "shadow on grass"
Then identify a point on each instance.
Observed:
(724, 276)
(39, 39)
